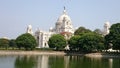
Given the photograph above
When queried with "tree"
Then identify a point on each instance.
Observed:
(98, 31)
(90, 42)
(73, 43)
(26, 41)
(4, 43)
(114, 36)
(12, 43)
(81, 31)
(57, 41)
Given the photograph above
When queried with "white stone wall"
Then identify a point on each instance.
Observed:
(43, 37)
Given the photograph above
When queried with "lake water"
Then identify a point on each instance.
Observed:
(45, 61)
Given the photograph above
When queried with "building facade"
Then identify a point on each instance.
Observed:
(62, 26)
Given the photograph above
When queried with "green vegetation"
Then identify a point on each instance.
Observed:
(4, 43)
(26, 41)
(57, 41)
(86, 40)
(91, 42)
(74, 43)
(12, 43)
(98, 31)
(82, 30)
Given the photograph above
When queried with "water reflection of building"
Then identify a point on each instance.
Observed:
(110, 63)
(42, 61)
(66, 60)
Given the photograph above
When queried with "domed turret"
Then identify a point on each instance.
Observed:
(29, 29)
(106, 28)
(107, 24)
(30, 26)
(51, 29)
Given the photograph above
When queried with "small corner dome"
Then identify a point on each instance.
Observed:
(29, 26)
(37, 30)
(51, 28)
(107, 23)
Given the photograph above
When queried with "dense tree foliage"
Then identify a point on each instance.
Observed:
(25, 62)
(4, 43)
(81, 31)
(57, 41)
(114, 36)
(98, 31)
(12, 43)
(73, 43)
(26, 41)
(90, 42)
(87, 41)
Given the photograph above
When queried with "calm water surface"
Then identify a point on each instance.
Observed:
(45, 61)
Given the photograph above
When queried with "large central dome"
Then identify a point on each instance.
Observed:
(64, 23)
(64, 16)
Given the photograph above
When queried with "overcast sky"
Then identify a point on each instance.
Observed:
(16, 15)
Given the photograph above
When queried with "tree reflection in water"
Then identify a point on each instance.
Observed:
(56, 61)
(25, 62)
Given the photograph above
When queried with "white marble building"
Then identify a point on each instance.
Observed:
(62, 26)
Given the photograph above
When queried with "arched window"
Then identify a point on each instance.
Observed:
(45, 44)
(37, 37)
(67, 23)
